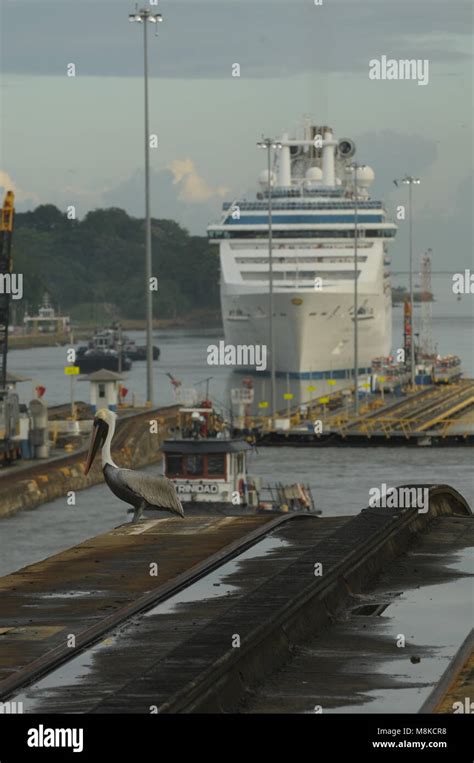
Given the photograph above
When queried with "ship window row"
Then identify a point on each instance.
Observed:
(299, 275)
(191, 466)
(300, 246)
(295, 260)
(278, 205)
(349, 233)
(294, 192)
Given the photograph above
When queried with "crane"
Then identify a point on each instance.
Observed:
(6, 233)
(9, 403)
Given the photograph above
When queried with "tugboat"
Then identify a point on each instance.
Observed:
(102, 352)
(110, 349)
(209, 470)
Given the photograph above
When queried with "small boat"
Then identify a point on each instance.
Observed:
(90, 360)
(109, 348)
(209, 470)
(136, 352)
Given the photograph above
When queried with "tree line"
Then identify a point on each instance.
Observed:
(100, 260)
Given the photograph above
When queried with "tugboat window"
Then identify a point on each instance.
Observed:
(173, 466)
(216, 465)
(194, 466)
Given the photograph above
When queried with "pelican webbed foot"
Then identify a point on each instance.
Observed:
(138, 512)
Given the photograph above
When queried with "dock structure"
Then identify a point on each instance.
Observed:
(201, 614)
(438, 414)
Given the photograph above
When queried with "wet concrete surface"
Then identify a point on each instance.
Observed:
(42, 605)
(120, 671)
(385, 576)
(359, 664)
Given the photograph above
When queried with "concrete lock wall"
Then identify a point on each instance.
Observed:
(136, 447)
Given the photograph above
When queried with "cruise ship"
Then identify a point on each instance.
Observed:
(318, 202)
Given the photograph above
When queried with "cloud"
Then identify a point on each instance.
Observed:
(179, 194)
(193, 188)
(22, 197)
(202, 40)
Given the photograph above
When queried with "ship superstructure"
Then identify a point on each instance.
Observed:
(315, 212)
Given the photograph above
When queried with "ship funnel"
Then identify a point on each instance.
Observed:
(329, 173)
(284, 177)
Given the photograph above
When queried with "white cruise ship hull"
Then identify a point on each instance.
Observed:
(314, 338)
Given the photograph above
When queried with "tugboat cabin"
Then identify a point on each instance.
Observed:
(208, 470)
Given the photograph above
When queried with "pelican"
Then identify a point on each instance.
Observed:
(142, 491)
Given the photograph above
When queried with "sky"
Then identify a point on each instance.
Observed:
(79, 140)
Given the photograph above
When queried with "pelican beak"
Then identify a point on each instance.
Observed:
(99, 434)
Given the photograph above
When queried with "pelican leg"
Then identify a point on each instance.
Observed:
(138, 512)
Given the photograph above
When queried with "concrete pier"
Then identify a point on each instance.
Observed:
(432, 415)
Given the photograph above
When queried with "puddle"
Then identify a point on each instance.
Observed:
(66, 675)
(70, 594)
(213, 586)
(432, 617)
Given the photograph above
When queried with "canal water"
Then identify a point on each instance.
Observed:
(340, 478)
(184, 355)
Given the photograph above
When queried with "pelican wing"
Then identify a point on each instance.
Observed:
(157, 491)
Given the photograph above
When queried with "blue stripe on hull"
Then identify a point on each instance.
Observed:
(343, 373)
(298, 219)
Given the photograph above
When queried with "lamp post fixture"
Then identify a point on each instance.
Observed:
(145, 16)
(410, 181)
(268, 144)
(355, 167)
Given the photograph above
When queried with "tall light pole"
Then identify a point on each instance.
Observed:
(268, 144)
(410, 181)
(143, 16)
(354, 166)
